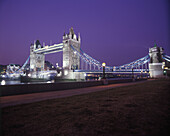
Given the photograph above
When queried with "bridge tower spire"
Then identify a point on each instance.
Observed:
(71, 61)
(36, 59)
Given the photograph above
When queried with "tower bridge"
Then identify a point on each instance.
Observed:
(78, 65)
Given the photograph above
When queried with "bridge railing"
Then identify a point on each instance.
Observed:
(166, 57)
(140, 64)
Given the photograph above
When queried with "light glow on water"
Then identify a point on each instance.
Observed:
(3, 82)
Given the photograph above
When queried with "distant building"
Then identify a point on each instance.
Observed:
(3, 69)
(11, 68)
(49, 66)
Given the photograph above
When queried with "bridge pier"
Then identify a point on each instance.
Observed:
(70, 74)
(156, 62)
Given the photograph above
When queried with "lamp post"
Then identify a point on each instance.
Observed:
(132, 74)
(141, 74)
(103, 65)
(56, 65)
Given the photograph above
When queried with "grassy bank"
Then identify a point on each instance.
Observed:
(139, 110)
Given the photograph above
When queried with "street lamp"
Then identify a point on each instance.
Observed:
(57, 65)
(103, 65)
(132, 74)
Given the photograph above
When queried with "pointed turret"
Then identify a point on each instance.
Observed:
(34, 44)
(43, 44)
(64, 35)
(79, 39)
(38, 44)
(155, 45)
(71, 31)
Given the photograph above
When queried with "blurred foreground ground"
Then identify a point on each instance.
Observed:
(139, 110)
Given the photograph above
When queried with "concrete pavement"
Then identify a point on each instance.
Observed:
(36, 97)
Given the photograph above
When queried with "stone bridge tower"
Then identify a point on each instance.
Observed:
(156, 61)
(36, 59)
(71, 61)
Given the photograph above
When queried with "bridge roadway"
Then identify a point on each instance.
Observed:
(36, 97)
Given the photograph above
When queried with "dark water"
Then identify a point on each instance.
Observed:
(15, 82)
(4, 82)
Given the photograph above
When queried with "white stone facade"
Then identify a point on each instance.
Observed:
(156, 62)
(71, 61)
(156, 70)
(37, 60)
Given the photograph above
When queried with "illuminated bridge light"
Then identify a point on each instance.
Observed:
(3, 82)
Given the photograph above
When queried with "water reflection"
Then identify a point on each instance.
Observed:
(15, 82)
(10, 82)
(52, 81)
(3, 82)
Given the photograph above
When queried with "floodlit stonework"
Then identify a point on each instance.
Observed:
(71, 61)
(156, 62)
(37, 60)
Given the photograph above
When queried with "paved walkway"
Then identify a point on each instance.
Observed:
(36, 97)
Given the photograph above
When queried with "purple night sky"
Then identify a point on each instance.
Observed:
(112, 31)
